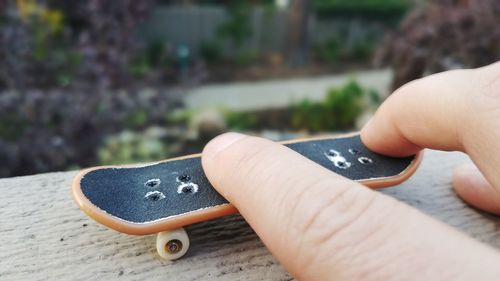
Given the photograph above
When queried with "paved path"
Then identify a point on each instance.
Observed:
(279, 93)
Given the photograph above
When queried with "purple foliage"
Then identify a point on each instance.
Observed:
(62, 92)
(43, 131)
(93, 48)
(440, 35)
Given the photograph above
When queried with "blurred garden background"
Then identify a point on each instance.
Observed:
(92, 82)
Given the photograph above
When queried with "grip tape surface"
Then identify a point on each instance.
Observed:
(172, 188)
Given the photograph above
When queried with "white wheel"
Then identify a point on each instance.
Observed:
(173, 244)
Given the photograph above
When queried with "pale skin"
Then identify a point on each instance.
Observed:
(321, 226)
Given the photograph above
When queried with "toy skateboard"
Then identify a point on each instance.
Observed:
(165, 196)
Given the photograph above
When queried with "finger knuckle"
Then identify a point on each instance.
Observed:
(484, 96)
(328, 208)
(489, 83)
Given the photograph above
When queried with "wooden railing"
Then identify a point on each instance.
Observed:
(44, 236)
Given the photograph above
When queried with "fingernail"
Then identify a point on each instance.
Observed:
(220, 143)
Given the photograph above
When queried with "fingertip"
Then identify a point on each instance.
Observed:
(466, 180)
(370, 137)
(470, 185)
(221, 143)
(380, 136)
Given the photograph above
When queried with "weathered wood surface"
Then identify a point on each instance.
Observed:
(44, 236)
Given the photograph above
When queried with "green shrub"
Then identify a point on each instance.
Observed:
(309, 116)
(12, 127)
(240, 121)
(178, 116)
(245, 57)
(136, 119)
(362, 50)
(131, 147)
(139, 68)
(339, 111)
(335, 48)
(237, 27)
(329, 51)
(380, 9)
(211, 52)
(152, 57)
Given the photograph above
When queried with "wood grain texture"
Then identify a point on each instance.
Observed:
(44, 236)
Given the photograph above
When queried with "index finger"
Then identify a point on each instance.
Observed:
(454, 110)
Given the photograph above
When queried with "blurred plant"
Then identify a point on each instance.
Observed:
(137, 119)
(340, 48)
(339, 110)
(362, 50)
(442, 35)
(245, 57)
(61, 64)
(155, 56)
(237, 27)
(330, 50)
(12, 127)
(33, 47)
(129, 147)
(54, 43)
(380, 9)
(240, 121)
(42, 131)
(211, 52)
(178, 116)
(31, 10)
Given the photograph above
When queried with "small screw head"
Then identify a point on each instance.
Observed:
(173, 246)
(184, 178)
(332, 152)
(354, 151)
(152, 183)
(365, 160)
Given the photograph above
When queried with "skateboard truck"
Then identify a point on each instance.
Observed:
(166, 196)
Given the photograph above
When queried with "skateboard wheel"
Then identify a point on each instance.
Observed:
(173, 244)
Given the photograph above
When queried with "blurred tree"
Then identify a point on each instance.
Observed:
(441, 35)
(237, 26)
(298, 29)
(386, 10)
(52, 43)
(59, 60)
(43, 131)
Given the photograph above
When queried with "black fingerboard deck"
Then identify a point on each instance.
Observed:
(150, 193)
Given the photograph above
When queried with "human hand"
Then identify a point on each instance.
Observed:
(321, 226)
(455, 110)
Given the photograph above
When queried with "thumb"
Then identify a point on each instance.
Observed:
(321, 226)
(474, 188)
